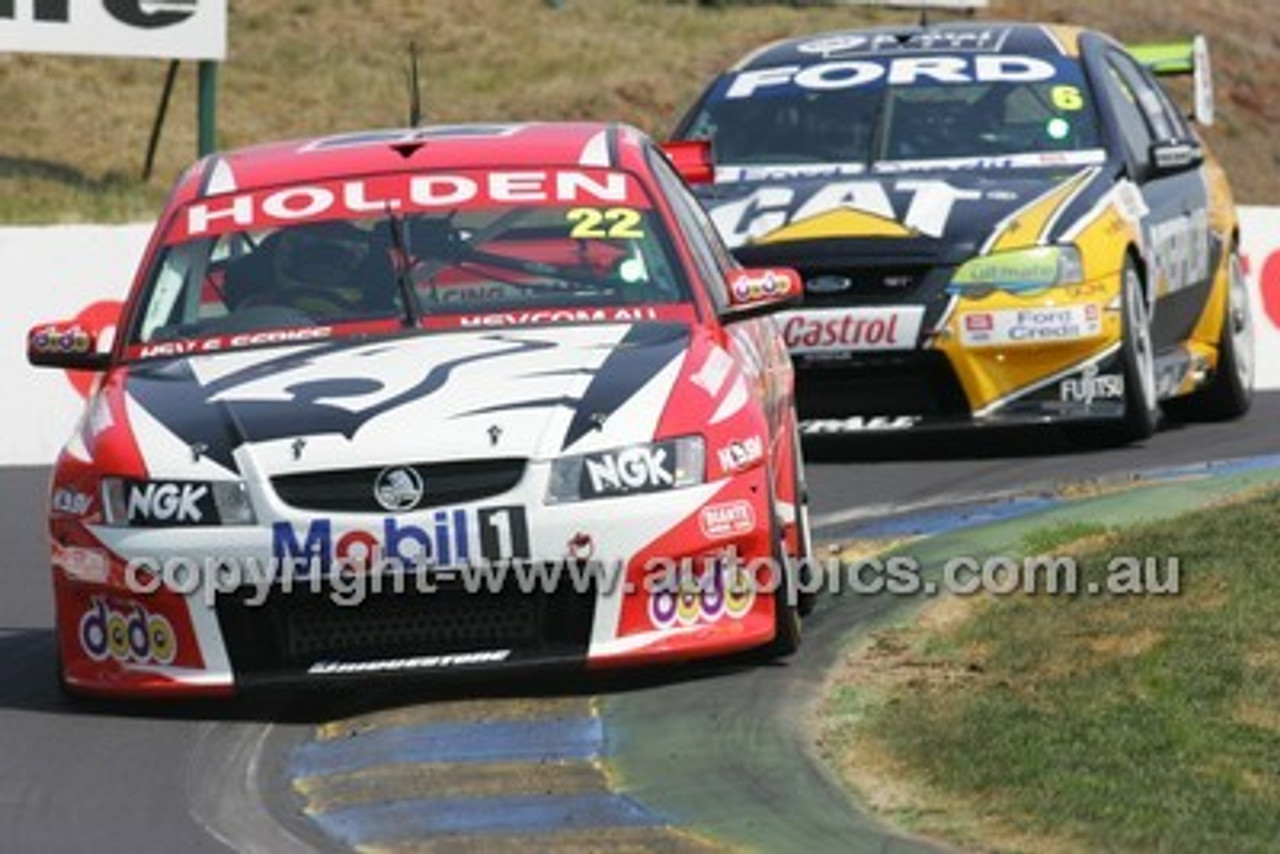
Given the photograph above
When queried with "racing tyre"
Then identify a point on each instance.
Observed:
(787, 629)
(1229, 393)
(786, 607)
(1137, 360)
(802, 563)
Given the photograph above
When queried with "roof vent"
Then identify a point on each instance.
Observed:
(407, 149)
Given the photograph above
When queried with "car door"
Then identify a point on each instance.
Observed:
(1180, 255)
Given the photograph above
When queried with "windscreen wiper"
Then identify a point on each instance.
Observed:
(404, 281)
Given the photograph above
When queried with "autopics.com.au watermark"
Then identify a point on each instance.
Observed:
(999, 575)
(348, 584)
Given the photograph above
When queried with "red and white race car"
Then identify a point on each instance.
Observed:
(411, 400)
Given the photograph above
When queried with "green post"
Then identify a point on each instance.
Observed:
(208, 106)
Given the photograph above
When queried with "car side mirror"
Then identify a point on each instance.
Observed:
(693, 159)
(1170, 158)
(757, 291)
(66, 344)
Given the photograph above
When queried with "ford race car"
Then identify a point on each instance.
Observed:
(996, 224)
(453, 397)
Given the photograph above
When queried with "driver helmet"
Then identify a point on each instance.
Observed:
(323, 255)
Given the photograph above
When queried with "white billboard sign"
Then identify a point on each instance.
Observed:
(165, 29)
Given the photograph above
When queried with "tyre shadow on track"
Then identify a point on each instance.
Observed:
(28, 684)
(27, 670)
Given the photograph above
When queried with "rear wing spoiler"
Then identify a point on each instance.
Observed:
(1185, 58)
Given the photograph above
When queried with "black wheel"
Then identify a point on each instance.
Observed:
(1229, 393)
(802, 563)
(786, 607)
(788, 631)
(1137, 360)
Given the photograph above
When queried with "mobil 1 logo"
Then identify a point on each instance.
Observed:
(145, 14)
(504, 533)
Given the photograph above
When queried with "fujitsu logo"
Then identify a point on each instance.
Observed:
(146, 14)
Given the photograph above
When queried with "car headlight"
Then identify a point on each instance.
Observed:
(1020, 270)
(633, 470)
(174, 503)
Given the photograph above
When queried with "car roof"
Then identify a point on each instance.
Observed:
(435, 147)
(948, 37)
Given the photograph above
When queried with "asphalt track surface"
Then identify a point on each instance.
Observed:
(210, 777)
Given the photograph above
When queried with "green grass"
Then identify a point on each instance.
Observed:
(1132, 723)
(1046, 540)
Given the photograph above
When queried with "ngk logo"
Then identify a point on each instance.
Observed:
(147, 14)
(177, 503)
(635, 469)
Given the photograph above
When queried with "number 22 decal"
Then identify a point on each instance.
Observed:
(590, 223)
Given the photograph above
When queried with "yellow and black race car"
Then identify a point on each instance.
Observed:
(997, 223)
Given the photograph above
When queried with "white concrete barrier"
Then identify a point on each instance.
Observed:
(53, 273)
(1260, 242)
(60, 272)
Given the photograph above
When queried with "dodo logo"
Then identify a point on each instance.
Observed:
(130, 636)
(689, 599)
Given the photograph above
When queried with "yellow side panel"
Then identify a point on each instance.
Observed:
(1103, 242)
(988, 374)
(1024, 230)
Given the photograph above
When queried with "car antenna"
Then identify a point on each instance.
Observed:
(408, 147)
(415, 91)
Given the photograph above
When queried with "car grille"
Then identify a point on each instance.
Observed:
(871, 384)
(870, 285)
(293, 630)
(351, 490)
(879, 273)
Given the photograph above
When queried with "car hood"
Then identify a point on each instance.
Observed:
(529, 393)
(948, 215)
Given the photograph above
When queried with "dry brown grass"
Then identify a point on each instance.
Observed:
(75, 129)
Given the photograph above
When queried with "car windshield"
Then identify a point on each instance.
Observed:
(875, 113)
(406, 250)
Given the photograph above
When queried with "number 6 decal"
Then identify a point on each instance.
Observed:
(1067, 98)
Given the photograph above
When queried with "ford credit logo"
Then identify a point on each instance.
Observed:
(828, 284)
(398, 488)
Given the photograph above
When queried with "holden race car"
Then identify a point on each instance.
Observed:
(403, 401)
(996, 223)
